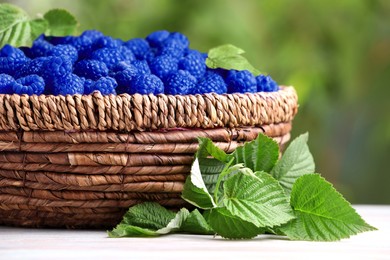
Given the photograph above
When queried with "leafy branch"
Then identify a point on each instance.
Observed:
(254, 193)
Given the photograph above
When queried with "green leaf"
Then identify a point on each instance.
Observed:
(210, 167)
(196, 224)
(146, 220)
(295, 162)
(150, 215)
(14, 26)
(224, 51)
(195, 191)
(229, 57)
(322, 213)
(229, 226)
(38, 27)
(207, 148)
(257, 199)
(175, 224)
(260, 154)
(61, 22)
(235, 62)
(125, 230)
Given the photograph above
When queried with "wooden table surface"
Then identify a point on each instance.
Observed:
(22, 243)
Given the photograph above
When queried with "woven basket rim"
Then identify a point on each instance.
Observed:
(138, 112)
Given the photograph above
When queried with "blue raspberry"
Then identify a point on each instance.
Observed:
(139, 47)
(11, 66)
(142, 66)
(156, 38)
(211, 82)
(34, 66)
(241, 81)
(64, 50)
(91, 69)
(30, 85)
(83, 44)
(68, 85)
(180, 83)
(106, 42)
(40, 47)
(92, 34)
(125, 78)
(175, 45)
(6, 83)
(266, 84)
(106, 86)
(54, 68)
(180, 39)
(147, 84)
(12, 52)
(162, 66)
(111, 56)
(88, 85)
(194, 63)
(11, 60)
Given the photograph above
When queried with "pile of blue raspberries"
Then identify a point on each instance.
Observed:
(160, 63)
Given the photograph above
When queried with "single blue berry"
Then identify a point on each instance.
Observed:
(180, 39)
(92, 34)
(111, 56)
(9, 51)
(194, 63)
(124, 78)
(71, 84)
(241, 81)
(64, 50)
(54, 68)
(12, 66)
(175, 45)
(106, 42)
(139, 47)
(6, 83)
(40, 47)
(147, 84)
(266, 84)
(211, 82)
(162, 66)
(142, 66)
(91, 69)
(180, 83)
(30, 85)
(34, 66)
(83, 45)
(106, 86)
(171, 48)
(156, 38)
(11, 60)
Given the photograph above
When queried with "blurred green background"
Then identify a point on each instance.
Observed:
(335, 53)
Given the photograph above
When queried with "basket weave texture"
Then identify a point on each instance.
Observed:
(81, 161)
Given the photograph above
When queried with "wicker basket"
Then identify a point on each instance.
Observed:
(81, 161)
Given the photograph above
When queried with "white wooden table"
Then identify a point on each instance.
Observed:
(21, 243)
